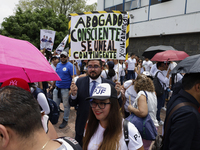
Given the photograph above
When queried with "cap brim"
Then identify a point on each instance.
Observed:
(97, 97)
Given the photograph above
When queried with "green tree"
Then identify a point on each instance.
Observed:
(58, 6)
(26, 25)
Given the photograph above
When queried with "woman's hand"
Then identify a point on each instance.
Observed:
(130, 108)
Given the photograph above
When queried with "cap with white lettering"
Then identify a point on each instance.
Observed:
(103, 91)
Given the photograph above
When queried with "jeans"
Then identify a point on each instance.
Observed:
(65, 98)
(122, 79)
(160, 102)
(131, 74)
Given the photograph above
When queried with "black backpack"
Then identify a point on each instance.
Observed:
(54, 111)
(70, 143)
(158, 87)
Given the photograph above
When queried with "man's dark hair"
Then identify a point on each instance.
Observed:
(19, 110)
(159, 64)
(190, 79)
(100, 62)
(132, 54)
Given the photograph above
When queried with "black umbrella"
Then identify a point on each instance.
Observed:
(151, 51)
(190, 64)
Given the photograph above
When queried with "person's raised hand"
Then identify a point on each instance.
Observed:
(73, 88)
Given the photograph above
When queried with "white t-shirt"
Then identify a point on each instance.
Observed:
(131, 63)
(129, 92)
(135, 139)
(147, 65)
(172, 65)
(152, 104)
(178, 77)
(153, 70)
(163, 79)
(54, 68)
(123, 69)
(42, 100)
(45, 120)
(104, 75)
(141, 71)
(118, 70)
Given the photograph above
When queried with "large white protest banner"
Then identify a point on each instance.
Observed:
(98, 35)
(47, 39)
(61, 46)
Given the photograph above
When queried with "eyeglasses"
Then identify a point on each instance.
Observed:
(95, 67)
(63, 56)
(101, 105)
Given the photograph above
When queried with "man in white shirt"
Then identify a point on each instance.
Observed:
(153, 70)
(131, 66)
(147, 64)
(117, 69)
(164, 80)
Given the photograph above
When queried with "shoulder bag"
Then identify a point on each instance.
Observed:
(144, 125)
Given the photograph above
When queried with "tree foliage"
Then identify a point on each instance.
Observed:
(58, 6)
(26, 25)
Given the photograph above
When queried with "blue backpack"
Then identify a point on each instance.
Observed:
(54, 111)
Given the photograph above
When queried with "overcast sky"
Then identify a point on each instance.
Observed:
(7, 7)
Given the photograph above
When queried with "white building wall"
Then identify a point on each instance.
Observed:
(193, 6)
(172, 17)
(100, 5)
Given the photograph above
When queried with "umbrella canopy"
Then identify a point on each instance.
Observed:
(190, 64)
(170, 55)
(21, 59)
(151, 51)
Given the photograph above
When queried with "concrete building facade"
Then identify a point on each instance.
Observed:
(160, 22)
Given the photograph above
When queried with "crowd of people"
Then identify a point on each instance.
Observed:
(104, 93)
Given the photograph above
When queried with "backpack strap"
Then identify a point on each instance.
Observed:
(146, 97)
(158, 78)
(125, 126)
(173, 110)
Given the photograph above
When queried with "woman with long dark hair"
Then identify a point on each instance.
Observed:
(104, 129)
(110, 73)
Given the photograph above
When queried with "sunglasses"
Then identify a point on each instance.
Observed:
(101, 104)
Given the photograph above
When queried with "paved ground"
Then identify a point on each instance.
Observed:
(69, 130)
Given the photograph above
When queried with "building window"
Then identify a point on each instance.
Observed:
(128, 5)
(119, 7)
(158, 1)
(112, 8)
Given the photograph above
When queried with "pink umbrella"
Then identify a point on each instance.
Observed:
(170, 55)
(21, 59)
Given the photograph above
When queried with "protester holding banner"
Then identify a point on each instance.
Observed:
(83, 88)
(65, 71)
(93, 37)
